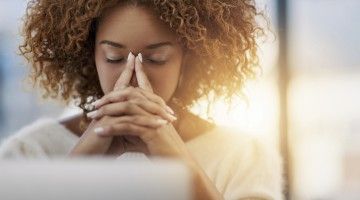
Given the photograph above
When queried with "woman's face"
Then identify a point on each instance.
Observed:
(135, 29)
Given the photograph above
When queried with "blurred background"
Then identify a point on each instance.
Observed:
(306, 102)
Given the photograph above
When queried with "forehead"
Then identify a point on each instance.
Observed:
(134, 26)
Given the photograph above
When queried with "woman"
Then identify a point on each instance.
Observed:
(146, 63)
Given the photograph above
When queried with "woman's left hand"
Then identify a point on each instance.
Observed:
(161, 141)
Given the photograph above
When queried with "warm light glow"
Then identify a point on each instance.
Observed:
(259, 117)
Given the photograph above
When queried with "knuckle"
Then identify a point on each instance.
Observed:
(120, 96)
(128, 106)
(117, 97)
(137, 119)
(135, 101)
(126, 126)
(105, 99)
(124, 95)
(112, 99)
(105, 118)
(159, 110)
(102, 110)
(110, 129)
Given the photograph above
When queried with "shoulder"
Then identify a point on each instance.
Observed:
(256, 166)
(228, 140)
(42, 138)
(242, 164)
(247, 143)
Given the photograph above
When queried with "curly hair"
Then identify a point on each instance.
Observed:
(219, 36)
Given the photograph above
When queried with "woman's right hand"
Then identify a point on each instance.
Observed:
(92, 144)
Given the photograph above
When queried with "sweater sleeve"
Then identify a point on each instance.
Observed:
(44, 138)
(255, 173)
(16, 148)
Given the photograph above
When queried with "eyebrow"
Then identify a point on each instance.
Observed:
(151, 46)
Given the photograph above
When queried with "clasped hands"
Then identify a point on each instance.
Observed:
(134, 118)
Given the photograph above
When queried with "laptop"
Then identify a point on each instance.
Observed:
(94, 179)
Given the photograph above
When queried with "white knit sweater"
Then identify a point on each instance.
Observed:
(238, 164)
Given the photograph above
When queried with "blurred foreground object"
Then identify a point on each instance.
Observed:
(91, 179)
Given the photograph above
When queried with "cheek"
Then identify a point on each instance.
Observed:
(107, 73)
(107, 76)
(164, 80)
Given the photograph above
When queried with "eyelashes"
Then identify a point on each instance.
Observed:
(122, 60)
(161, 62)
(115, 61)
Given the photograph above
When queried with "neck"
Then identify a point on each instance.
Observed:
(190, 126)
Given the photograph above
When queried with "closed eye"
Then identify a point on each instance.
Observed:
(151, 61)
(158, 62)
(114, 61)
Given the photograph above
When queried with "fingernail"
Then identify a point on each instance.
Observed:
(170, 110)
(99, 130)
(130, 55)
(161, 121)
(140, 57)
(92, 114)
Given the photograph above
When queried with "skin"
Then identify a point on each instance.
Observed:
(162, 63)
(136, 91)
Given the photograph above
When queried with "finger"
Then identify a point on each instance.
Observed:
(122, 129)
(118, 109)
(152, 122)
(130, 107)
(155, 98)
(126, 75)
(117, 96)
(132, 93)
(141, 77)
(153, 108)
